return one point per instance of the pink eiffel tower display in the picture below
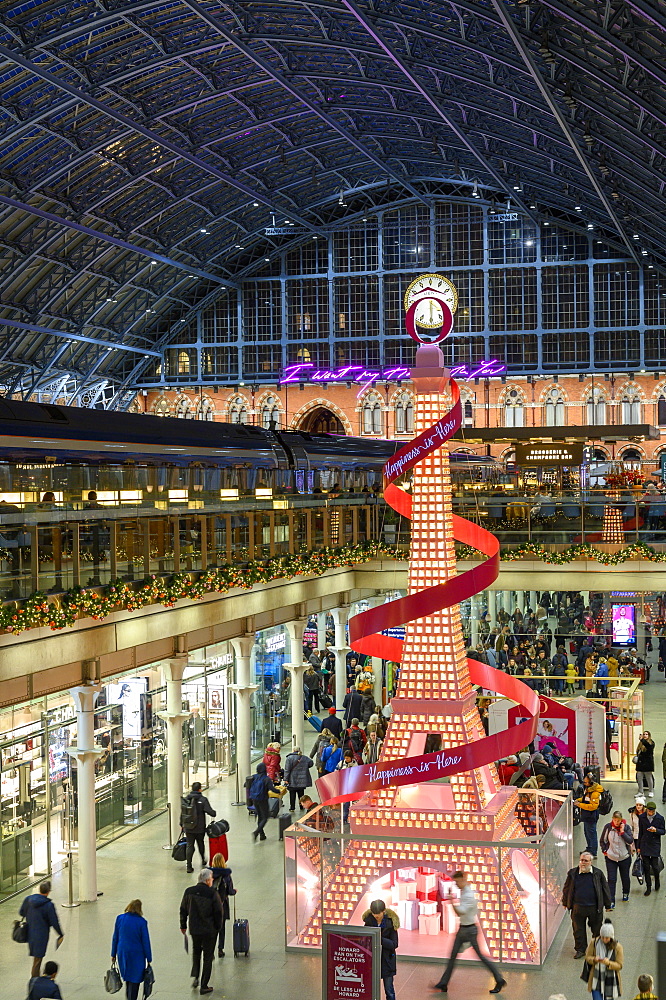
(434, 707)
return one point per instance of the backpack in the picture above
(220, 885)
(188, 813)
(605, 802)
(354, 741)
(258, 787)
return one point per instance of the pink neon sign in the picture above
(306, 372)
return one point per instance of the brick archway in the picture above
(303, 419)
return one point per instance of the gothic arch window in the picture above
(270, 412)
(183, 363)
(554, 409)
(467, 409)
(237, 410)
(661, 410)
(161, 408)
(205, 410)
(404, 414)
(596, 407)
(184, 408)
(631, 406)
(514, 409)
(371, 414)
(631, 459)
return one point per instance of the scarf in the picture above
(605, 979)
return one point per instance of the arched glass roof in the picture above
(147, 146)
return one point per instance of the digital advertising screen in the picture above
(624, 624)
(127, 694)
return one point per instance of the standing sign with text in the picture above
(352, 962)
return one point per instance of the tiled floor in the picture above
(137, 866)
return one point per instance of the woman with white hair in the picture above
(604, 958)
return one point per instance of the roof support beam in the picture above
(365, 22)
(300, 96)
(23, 206)
(33, 328)
(528, 59)
(159, 140)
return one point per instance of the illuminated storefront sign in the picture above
(307, 372)
(550, 454)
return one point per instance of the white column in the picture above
(475, 611)
(533, 600)
(495, 604)
(506, 601)
(86, 753)
(321, 630)
(340, 649)
(243, 691)
(174, 716)
(296, 668)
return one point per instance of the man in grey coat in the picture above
(297, 775)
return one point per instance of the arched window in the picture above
(467, 409)
(404, 414)
(661, 411)
(183, 363)
(371, 413)
(631, 406)
(596, 408)
(237, 410)
(184, 408)
(161, 408)
(205, 409)
(514, 409)
(554, 409)
(270, 412)
(631, 459)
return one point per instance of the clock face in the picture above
(426, 290)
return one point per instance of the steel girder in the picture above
(133, 126)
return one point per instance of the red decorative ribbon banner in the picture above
(365, 637)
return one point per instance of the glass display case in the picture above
(331, 877)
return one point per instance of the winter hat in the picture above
(332, 710)
(607, 930)
(650, 805)
(640, 800)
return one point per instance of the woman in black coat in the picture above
(388, 923)
(223, 884)
(644, 761)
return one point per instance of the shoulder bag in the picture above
(148, 981)
(112, 981)
(20, 932)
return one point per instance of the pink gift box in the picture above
(407, 874)
(426, 883)
(406, 890)
(429, 924)
(408, 912)
(428, 908)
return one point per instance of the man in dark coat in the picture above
(196, 834)
(585, 894)
(201, 907)
(388, 923)
(297, 775)
(333, 724)
(40, 915)
(353, 706)
(651, 829)
(45, 987)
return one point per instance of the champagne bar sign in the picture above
(307, 372)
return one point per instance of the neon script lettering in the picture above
(306, 372)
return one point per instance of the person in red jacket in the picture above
(507, 768)
(272, 761)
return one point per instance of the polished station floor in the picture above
(136, 866)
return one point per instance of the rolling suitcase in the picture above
(251, 811)
(314, 721)
(241, 933)
(284, 821)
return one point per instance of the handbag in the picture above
(179, 852)
(112, 981)
(585, 973)
(20, 932)
(634, 759)
(637, 870)
(217, 828)
(658, 864)
(148, 981)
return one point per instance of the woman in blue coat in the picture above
(131, 946)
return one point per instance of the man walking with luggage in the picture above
(201, 908)
(40, 915)
(467, 935)
(194, 809)
(585, 894)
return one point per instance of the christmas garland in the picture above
(63, 610)
(636, 550)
